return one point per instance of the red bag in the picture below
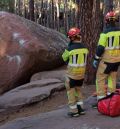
(110, 105)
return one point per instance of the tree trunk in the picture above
(90, 28)
(17, 7)
(24, 9)
(108, 5)
(66, 26)
(78, 13)
(19, 11)
(11, 6)
(58, 14)
(48, 15)
(31, 9)
(52, 15)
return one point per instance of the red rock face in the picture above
(26, 48)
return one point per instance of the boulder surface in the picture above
(26, 48)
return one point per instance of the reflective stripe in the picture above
(77, 65)
(110, 42)
(74, 59)
(80, 103)
(112, 48)
(73, 107)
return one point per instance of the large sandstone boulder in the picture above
(26, 48)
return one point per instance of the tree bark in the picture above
(51, 14)
(66, 26)
(24, 9)
(90, 28)
(48, 15)
(78, 13)
(58, 14)
(19, 8)
(11, 6)
(31, 9)
(108, 5)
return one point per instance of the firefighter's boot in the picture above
(81, 111)
(73, 114)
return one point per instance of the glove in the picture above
(95, 63)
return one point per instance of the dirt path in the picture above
(57, 119)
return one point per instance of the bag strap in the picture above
(117, 92)
(108, 96)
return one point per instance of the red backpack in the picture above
(110, 105)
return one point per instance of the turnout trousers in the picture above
(107, 72)
(74, 94)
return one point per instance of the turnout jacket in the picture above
(108, 48)
(76, 57)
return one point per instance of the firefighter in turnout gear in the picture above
(75, 56)
(108, 56)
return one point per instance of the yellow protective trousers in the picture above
(102, 78)
(74, 96)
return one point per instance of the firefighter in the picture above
(75, 56)
(107, 57)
